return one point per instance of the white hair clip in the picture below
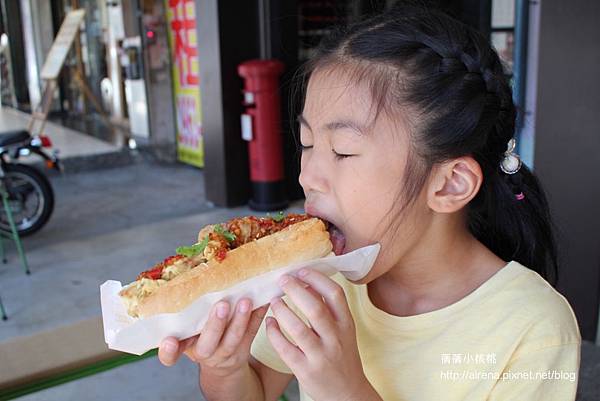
(511, 163)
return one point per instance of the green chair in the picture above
(2, 310)
(13, 234)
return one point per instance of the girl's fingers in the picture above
(217, 333)
(331, 291)
(169, 351)
(316, 294)
(300, 333)
(236, 329)
(213, 330)
(256, 319)
(311, 304)
(288, 352)
(187, 347)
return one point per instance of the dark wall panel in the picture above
(228, 35)
(567, 144)
(11, 13)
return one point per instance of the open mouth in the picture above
(337, 238)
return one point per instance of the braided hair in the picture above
(450, 78)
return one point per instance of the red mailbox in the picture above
(261, 127)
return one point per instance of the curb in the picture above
(120, 158)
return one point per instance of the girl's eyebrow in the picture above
(357, 128)
(303, 121)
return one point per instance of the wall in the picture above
(567, 145)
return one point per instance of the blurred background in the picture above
(126, 127)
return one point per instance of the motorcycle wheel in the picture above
(30, 197)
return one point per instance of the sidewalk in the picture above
(70, 142)
(108, 224)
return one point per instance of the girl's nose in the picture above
(313, 175)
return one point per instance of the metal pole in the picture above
(520, 59)
(264, 24)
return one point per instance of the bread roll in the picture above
(299, 242)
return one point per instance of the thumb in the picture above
(169, 351)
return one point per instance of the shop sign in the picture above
(181, 20)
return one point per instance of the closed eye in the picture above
(340, 156)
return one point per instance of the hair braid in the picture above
(452, 82)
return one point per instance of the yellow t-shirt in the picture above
(513, 338)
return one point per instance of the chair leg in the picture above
(22, 255)
(15, 233)
(2, 253)
(4, 316)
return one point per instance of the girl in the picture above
(406, 134)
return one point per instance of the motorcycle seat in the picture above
(13, 136)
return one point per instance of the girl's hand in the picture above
(325, 359)
(223, 347)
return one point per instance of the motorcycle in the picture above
(30, 195)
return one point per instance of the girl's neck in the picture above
(441, 270)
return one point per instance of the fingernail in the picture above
(284, 279)
(222, 311)
(302, 272)
(169, 347)
(244, 306)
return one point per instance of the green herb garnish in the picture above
(229, 236)
(278, 217)
(193, 250)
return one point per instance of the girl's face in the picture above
(352, 169)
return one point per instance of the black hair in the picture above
(452, 79)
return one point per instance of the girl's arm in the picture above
(254, 382)
(273, 382)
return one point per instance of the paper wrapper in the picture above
(136, 336)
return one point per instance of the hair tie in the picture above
(520, 196)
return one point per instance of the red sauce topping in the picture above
(220, 255)
(155, 272)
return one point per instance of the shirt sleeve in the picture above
(549, 373)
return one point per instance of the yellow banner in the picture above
(181, 20)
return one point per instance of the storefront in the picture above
(108, 53)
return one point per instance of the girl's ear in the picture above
(453, 184)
